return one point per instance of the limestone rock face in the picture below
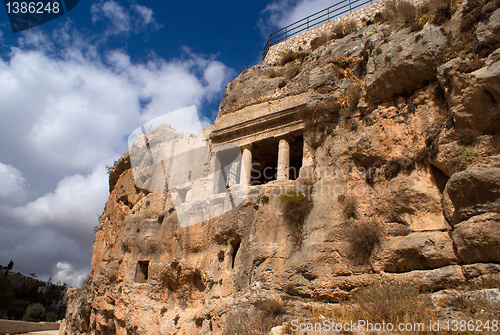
(477, 238)
(399, 180)
(415, 251)
(401, 201)
(486, 30)
(471, 95)
(472, 192)
(404, 63)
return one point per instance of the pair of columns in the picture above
(283, 171)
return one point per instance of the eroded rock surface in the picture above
(397, 191)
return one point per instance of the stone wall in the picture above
(302, 42)
(17, 327)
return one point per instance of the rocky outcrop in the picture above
(404, 63)
(399, 181)
(476, 239)
(472, 192)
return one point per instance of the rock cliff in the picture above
(400, 180)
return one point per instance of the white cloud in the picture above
(12, 182)
(65, 273)
(72, 208)
(145, 13)
(112, 12)
(64, 110)
(75, 112)
(123, 20)
(38, 250)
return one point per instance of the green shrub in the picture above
(51, 317)
(35, 313)
(296, 206)
(464, 156)
(6, 291)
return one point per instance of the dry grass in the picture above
(390, 302)
(250, 322)
(292, 70)
(398, 302)
(364, 237)
(343, 29)
(342, 62)
(290, 56)
(476, 11)
(401, 164)
(320, 40)
(273, 73)
(401, 12)
(349, 206)
(439, 11)
(353, 95)
(150, 213)
(474, 64)
(394, 302)
(405, 13)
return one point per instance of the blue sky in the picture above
(73, 89)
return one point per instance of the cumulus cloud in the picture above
(121, 20)
(12, 182)
(65, 273)
(66, 111)
(75, 112)
(72, 208)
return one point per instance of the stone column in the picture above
(246, 166)
(283, 160)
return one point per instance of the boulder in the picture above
(477, 239)
(403, 198)
(404, 64)
(486, 30)
(471, 96)
(471, 192)
(416, 251)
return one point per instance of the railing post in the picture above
(350, 8)
(328, 15)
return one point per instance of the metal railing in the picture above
(331, 13)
